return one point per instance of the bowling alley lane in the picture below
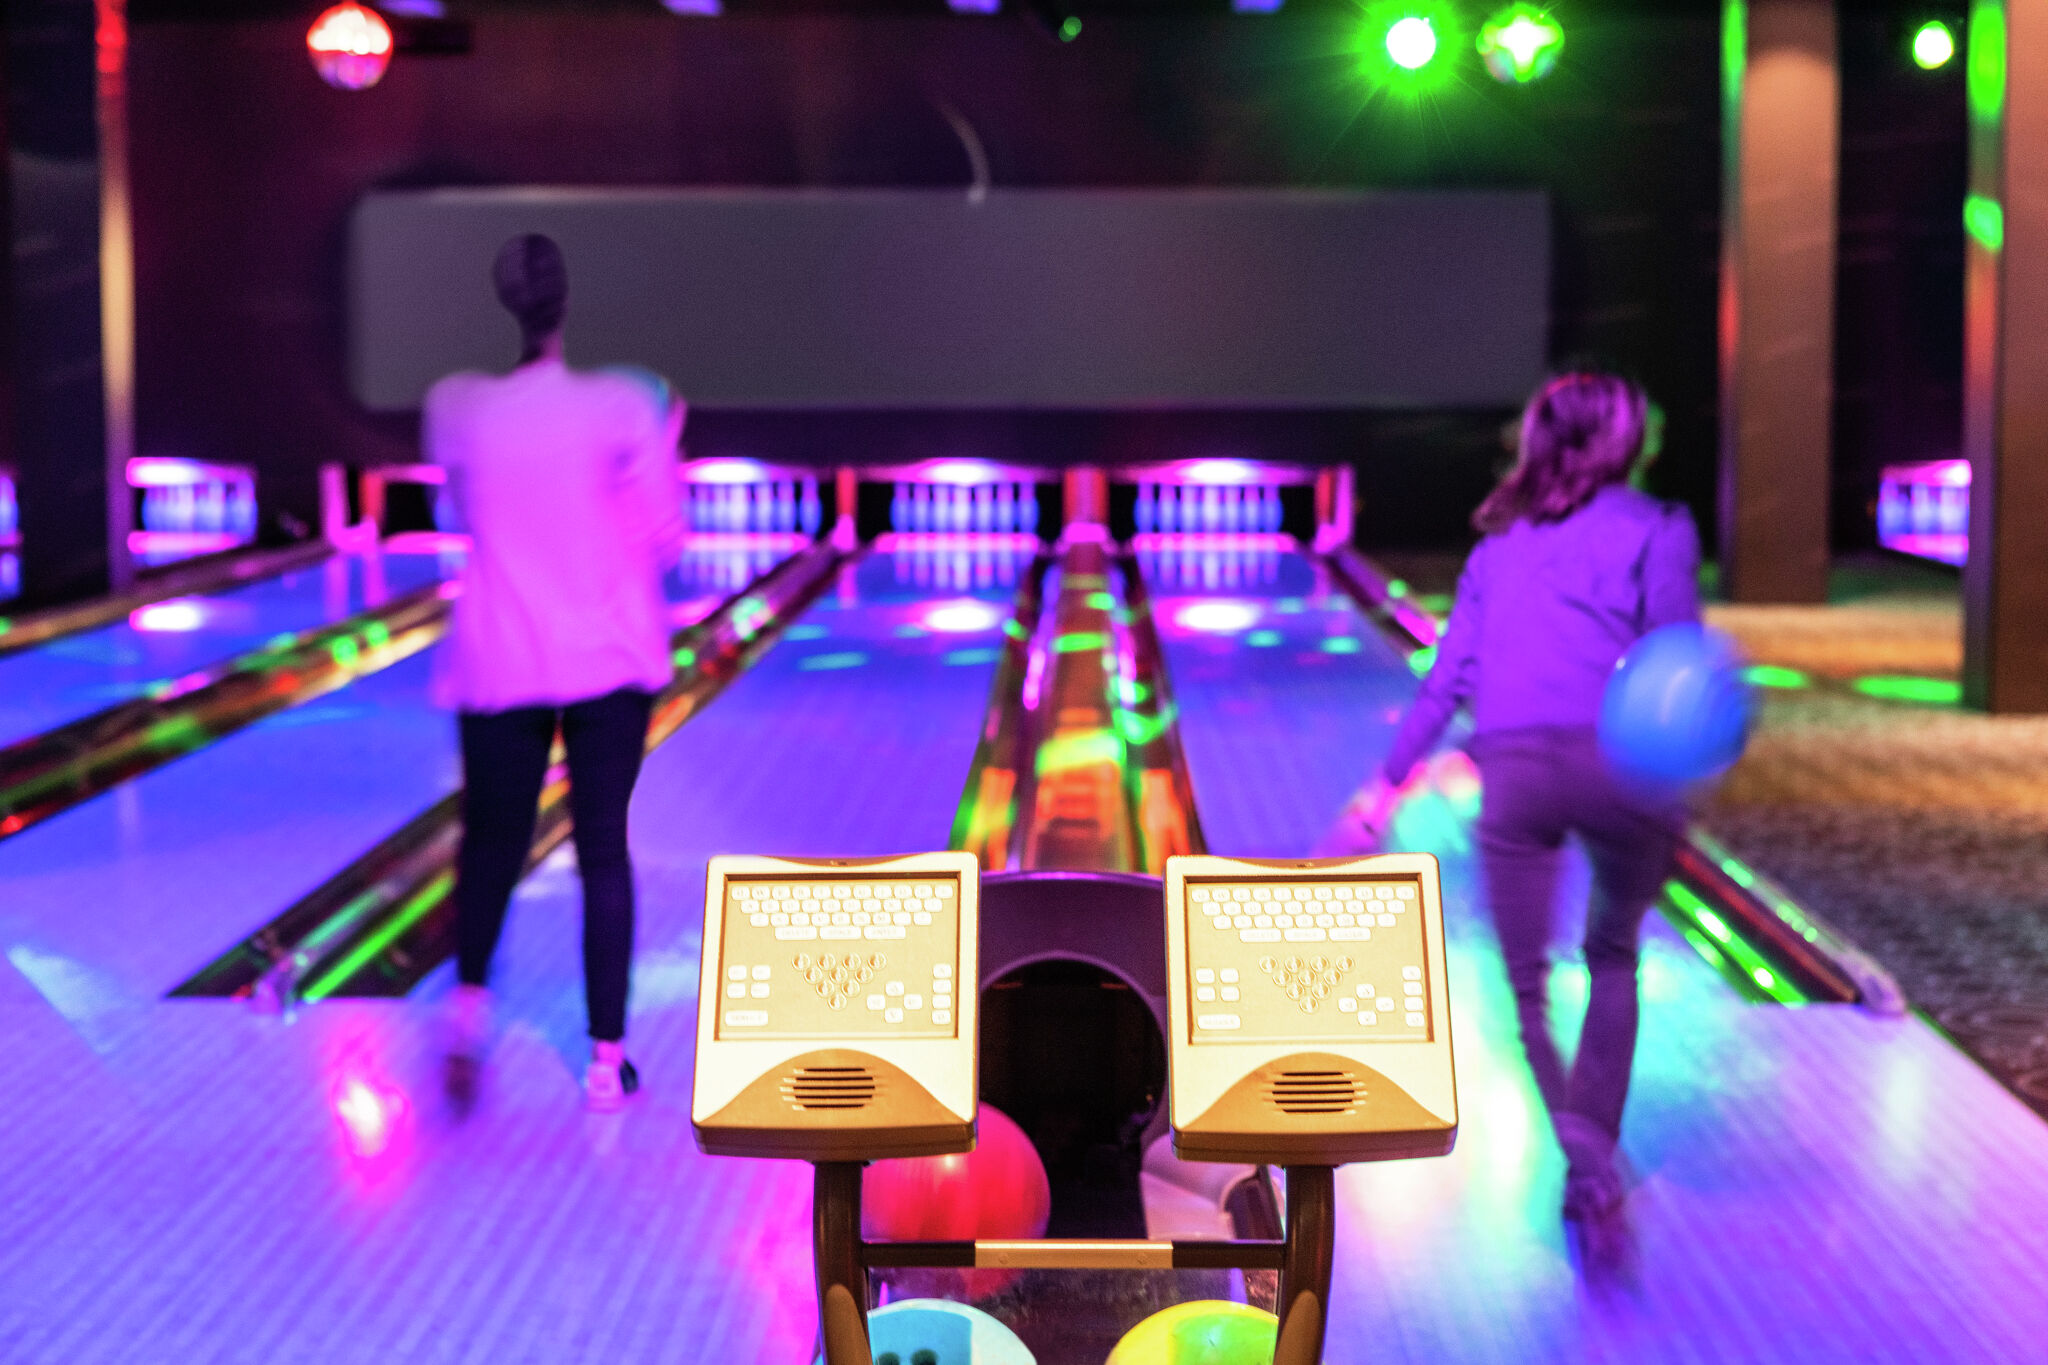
(138, 887)
(1760, 1135)
(197, 1181)
(75, 675)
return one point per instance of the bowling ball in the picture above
(1206, 1332)
(935, 1332)
(656, 387)
(997, 1190)
(1677, 709)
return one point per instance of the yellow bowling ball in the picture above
(1207, 1332)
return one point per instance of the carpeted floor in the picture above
(1920, 831)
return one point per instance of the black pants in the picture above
(504, 762)
(1542, 784)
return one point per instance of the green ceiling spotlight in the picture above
(1934, 45)
(1402, 44)
(1521, 44)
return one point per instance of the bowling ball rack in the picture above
(843, 1258)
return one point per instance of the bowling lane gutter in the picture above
(46, 774)
(386, 920)
(1768, 946)
(212, 574)
(987, 815)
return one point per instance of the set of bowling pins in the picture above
(957, 569)
(779, 505)
(962, 508)
(10, 510)
(1208, 507)
(211, 506)
(1922, 509)
(1209, 569)
(721, 571)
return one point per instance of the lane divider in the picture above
(387, 919)
(46, 774)
(215, 573)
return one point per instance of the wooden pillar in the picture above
(2005, 358)
(70, 294)
(1780, 141)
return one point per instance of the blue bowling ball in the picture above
(938, 1332)
(1677, 710)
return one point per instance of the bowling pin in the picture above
(1146, 512)
(1027, 508)
(812, 513)
(899, 509)
(1006, 508)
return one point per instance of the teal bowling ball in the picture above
(1677, 710)
(937, 1332)
(658, 389)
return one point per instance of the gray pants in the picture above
(1542, 784)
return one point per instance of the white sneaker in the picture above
(609, 1078)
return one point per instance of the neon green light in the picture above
(1014, 630)
(1064, 753)
(377, 634)
(1411, 42)
(409, 914)
(826, 662)
(344, 651)
(1397, 588)
(1770, 675)
(1925, 691)
(1521, 44)
(1734, 956)
(1101, 601)
(1138, 731)
(811, 632)
(5, 625)
(961, 657)
(1422, 660)
(1737, 873)
(1986, 83)
(1984, 220)
(1263, 639)
(1934, 46)
(1079, 642)
(1340, 644)
(685, 657)
(1734, 59)
(1070, 28)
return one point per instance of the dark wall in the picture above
(1899, 318)
(246, 166)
